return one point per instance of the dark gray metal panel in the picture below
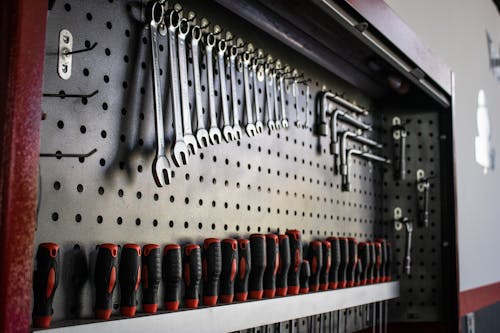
(421, 293)
(264, 184)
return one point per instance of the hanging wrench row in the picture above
(185, 35)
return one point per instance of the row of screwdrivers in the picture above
(231, 269)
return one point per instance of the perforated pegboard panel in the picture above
(263, 184)
(421, 295)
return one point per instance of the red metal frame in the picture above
(22, 27)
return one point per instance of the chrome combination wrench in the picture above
(250, 127)
(267, 90)
(179, 150)
(214, 131)
(161, 167)
(201, 132)
(259, 126)
(188, 137)
(227, 130)
(233, 53)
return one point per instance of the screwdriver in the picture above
(333, 279)
(45, 281)
(344, 261)
(373, 258)
(212, 267)
(364, 257)
(172, 276)
(383, 258)
(325, 267)
(273, 260)
(244, 267)
(378, 262)
(259, 262)
(284, 266)
(192, 275)
(105, 279)
(229, 250)
(352, 260)
(315, 264)
(358, 272)
(129, 277)
(151, 277)
(296, 260)
(305, 274)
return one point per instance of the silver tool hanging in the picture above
(250, 126)
(162, 173)
(179, 150)
(188, 137)
(233, 53)
(269, 101)
(227, 129)
(259, 126)
(214, 131)
(201, 132)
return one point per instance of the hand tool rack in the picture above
(267, 183)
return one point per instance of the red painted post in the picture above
(22, 27)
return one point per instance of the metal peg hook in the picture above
(62, 94)
(82, 50)
(59, 154)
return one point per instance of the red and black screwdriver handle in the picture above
(364, 258)
(353, 259)
(244, 268)
(378, 262)
(383, 262)
(326, 248)
(273, 258)
(192, 275)
(373, 258)
(229, 249)
(172, 276)
(212, 267)
(130, 277)
(151, 277)
(295, 240)
(333, 276)
(45, 281)
(358, 272)
(259, 262)
(305, 275)
(344, 261)
(283, 266)
(315, 264)
(105, 275)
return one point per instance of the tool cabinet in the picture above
(97, 149)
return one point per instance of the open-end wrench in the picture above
(227, 130)
(201, 132)
(188, 136)
(269, 102)
(250, 127)
(277, 121)
(161, 167)
(179, 150)
(233, 53)
(214, 132)
(259, 126)
(284, 120)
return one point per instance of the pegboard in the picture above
(421, 292)
(268, 183)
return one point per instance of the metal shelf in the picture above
(239, 316)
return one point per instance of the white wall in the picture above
(456, 31)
